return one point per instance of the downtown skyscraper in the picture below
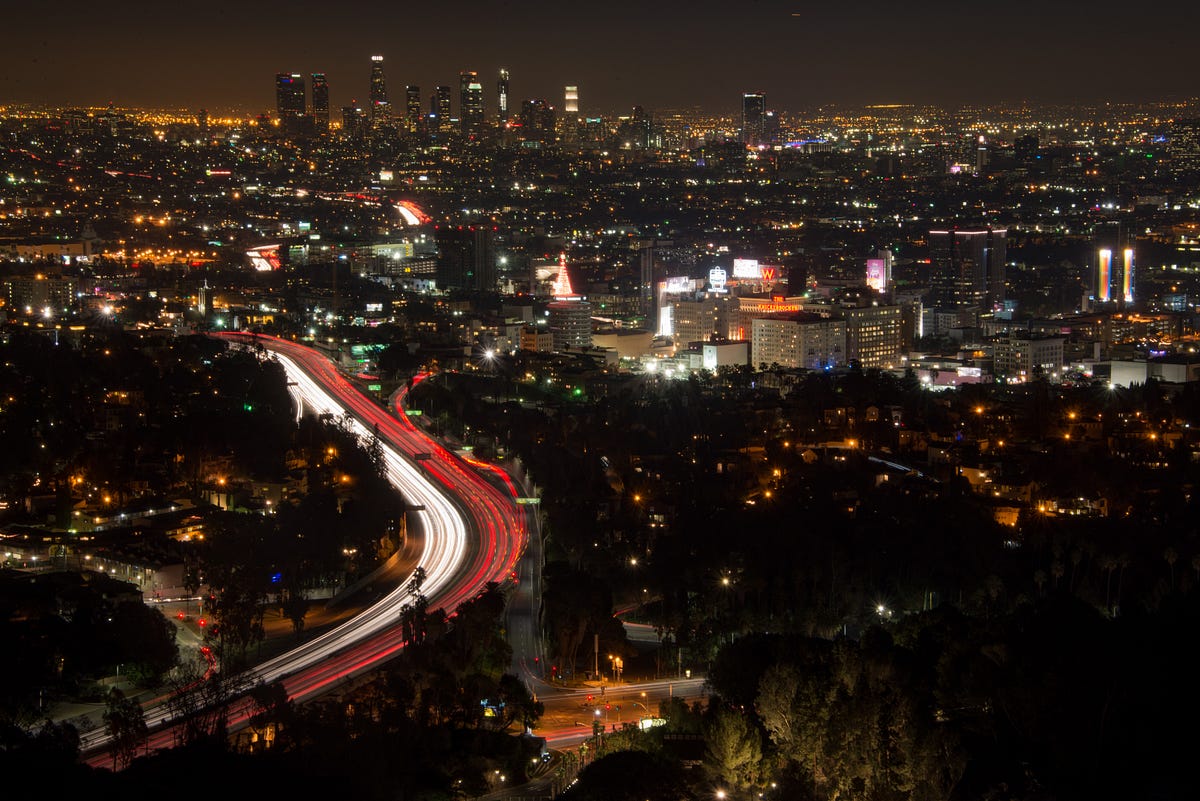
(289, 95)
(320, 99)
(439, 109)
(379, 95)
(470, 102)
(412, 107)
(502, 96)
(754, 111)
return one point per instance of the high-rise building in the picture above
(968, 267)
(879, 271)
(354, 120)
(502, 96)
(379, 95)
(320, 99)
(289, 95)
(470, 102)
(570, 118)
(537, 121)
(466, 258)
(754, 110)
(412, 107)
(1024, 356)
(1184, 144)
(797, 340)
(439, 109)
(1127, 275)
(702, 320)
(1104, 275)
(1114, 280)
(1114, 263)
(873, 335)
(571, 324)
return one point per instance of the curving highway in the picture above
(473, 534)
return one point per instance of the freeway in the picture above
(473, 534)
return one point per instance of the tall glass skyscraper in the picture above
(439, 106)
(502, 96)
(470, 102)
(412, 106)
(379, 95)
(289, 95)
(754, 109)
(320, 99)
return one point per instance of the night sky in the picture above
(223, 55)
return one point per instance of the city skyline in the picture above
(620, 57)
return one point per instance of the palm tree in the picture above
(1172, 556)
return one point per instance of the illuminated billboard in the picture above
(265, 258)
(677, 285)
(666, 321)
(1127, 276)
(716, 279)
(746, 268)
(877, 274)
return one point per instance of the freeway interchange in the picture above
(472, 534)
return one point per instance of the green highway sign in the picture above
(530, 501)
(414, 412)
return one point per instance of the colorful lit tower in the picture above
(1104, 275)
(1127, 276)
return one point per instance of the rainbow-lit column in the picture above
(1127, 276)
(1104, 277)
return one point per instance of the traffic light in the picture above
(590, 698)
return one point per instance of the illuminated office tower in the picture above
(570, 120)
(1127, 276)
(320, 99)
(289, 95)
(354, 120)
(502, 96)
(439, 108)
(412, 106)
(1104, 276)
(968, 267)
(379, 95)
(754, 109)
(470, 102)
(537, 121)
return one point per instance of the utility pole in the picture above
(596, 655)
